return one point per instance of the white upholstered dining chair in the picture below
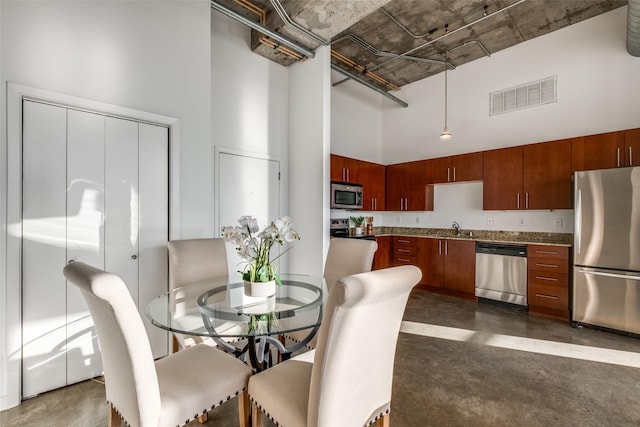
(345, 257)
(349, 381)
(139, 391)
(193, 260)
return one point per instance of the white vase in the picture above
(358, 231)
(260, 289)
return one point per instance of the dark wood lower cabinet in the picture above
(382, 258)
(448, 265)
(548, 280)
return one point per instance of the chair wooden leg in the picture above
(243, 409)
(383, 421)
(257, 417)
(113, 417)
(203, 418)
(176, 344)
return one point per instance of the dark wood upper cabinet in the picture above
(547, 175)
(407, 187)
(459, 168)
(370, 175)
(602, 151)
(632, 147)
(502, 175)
(534, 176)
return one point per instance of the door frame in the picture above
(11, 260)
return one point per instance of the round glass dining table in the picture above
(241, 324)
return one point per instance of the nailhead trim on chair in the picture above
(372, 422)
(382, 414)
(204, 411)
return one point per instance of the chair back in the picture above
(193, 260)
(353, 365)
(131, 380)
(347, 257)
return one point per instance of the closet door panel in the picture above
(85, 234)
(43, 247)
(154, 224)
(121, 201)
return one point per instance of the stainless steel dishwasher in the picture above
(501, 272)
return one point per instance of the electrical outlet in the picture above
(417, 220)
(558, 222)
(398, 220)
(522, 221)
(491, 221)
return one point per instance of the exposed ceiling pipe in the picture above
(447, 33)
(478, 42)
(264, 30)
(369, 85)
(633, 27)
(282, 13)
(370, 48)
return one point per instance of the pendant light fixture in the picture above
(445, 135)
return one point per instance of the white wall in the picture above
(249, 93)
(149, 56)
(598, 91)
(356, 120)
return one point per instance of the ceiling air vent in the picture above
(524, 96)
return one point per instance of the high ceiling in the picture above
(390, 43)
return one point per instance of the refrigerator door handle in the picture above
(578, 224)
(617, 276)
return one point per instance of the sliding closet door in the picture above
(44, 236)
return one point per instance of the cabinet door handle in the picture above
(551, 279)
(404, 260)
(403, 241)
(404, 250)
(547, 265)
(517, 200)
(448, 174)
(454, 174)
(630, 157)
(618, 158)
(546, 296)
(446, 247)
(526, 200)
(547, 252)
(439, 247)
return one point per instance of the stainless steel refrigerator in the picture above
(606, 254)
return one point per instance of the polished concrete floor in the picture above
(458, 363)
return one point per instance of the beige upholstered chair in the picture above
(349, 381)
(344, 258)
(193, 260)
(141, 392)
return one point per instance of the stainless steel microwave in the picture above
(346, 195)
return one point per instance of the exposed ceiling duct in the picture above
(633, 28)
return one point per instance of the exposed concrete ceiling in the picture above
(390, 43)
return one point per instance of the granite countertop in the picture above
(534, 238)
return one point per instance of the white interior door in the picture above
(44, 236)
(95, 189)
(248, 186)
(153, 229)
(85, 235)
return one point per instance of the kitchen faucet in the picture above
(457, 227)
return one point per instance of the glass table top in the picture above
(220, 308)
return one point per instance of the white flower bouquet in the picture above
(254, 246)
